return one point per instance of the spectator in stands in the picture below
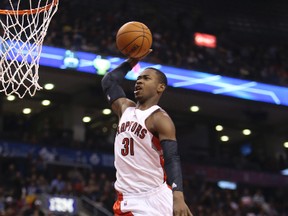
(11, 208)
(58, 184)
(77, 180)
(92, 188)
(34, 209)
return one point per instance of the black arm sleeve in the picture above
(172, 164)
(112, 80)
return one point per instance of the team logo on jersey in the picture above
(133, 127)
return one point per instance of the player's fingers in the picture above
(146, 54)
(186, 213)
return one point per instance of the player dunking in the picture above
(148, 171)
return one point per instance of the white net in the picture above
(23, 27)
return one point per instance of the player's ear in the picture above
(161, 87)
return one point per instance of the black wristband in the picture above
(172, 164)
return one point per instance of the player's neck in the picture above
(145, 105)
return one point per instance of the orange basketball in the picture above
(134, 39)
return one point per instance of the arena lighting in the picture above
(205, 40)
(227, 185)
(49, 86)
(219, 128)
(106, 111)
(285, 144)
(284, 172)
(46, 102)
(194, 108)
(224, 138)
(86, 119)
(246, 132)
(177, 77)
(26, 111)
(11, 98)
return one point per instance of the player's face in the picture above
(147, 85)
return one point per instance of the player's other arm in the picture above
(164, 127)
(111, 85)
(166, 132)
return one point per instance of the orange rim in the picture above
(31, 11)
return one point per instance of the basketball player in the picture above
(148, 171)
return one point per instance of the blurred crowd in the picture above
(40, 130)
(23, 185)
(27, 180)
(173, 41)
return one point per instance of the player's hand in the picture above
(179, 206)
(134, 61)
(146, 54)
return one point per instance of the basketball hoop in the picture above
(24, 25)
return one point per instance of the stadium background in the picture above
(53, 140)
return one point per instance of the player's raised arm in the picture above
(134, 40)
(111, 85)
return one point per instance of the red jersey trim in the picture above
(156, 143)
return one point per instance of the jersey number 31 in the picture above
(128, 146)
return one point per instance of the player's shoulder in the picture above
(161, 123)
(161, 115)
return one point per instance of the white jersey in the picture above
(138, 155)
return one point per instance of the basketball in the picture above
(134, 39)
